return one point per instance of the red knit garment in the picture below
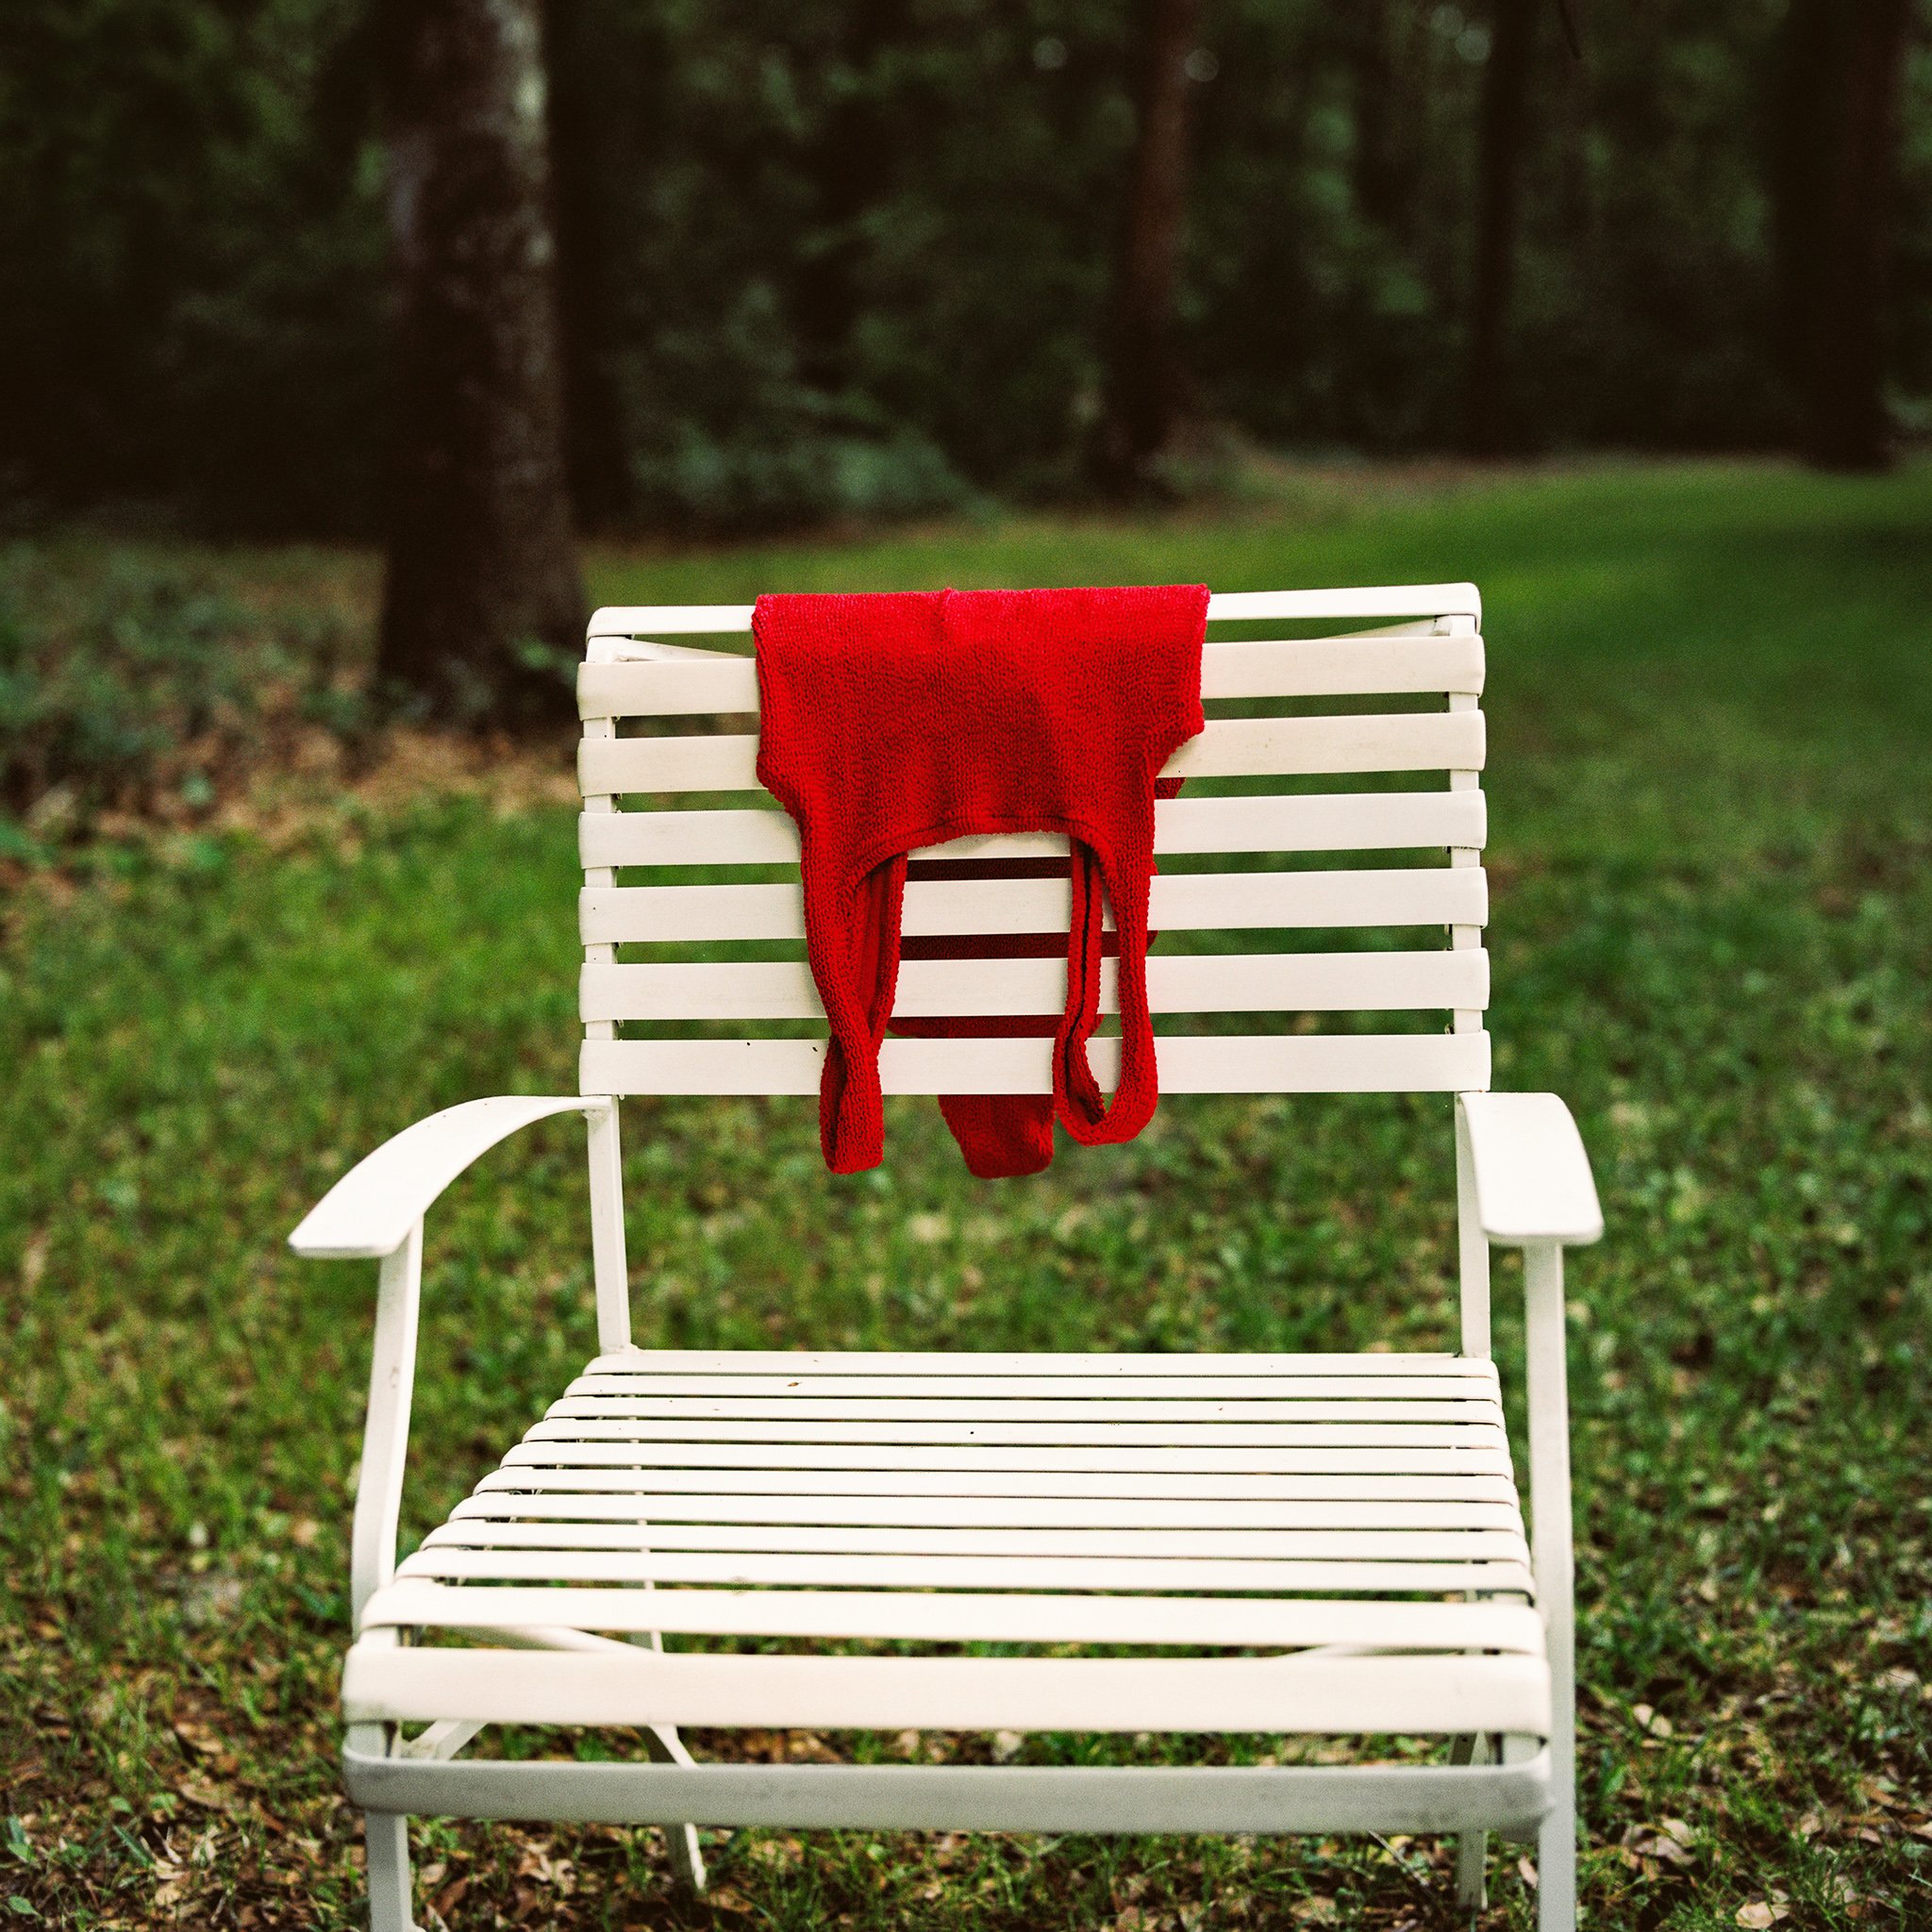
(893, 721)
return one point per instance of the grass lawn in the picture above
(1711, 775)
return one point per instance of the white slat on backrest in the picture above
(1214, 983)
(1342, 821)
(1190, 1063)
(1224, 607)
(1431, 648)
(720, 684)
(1229, 748)
(1247, 901)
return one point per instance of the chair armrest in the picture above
(1532, 1177)
(370, 1211)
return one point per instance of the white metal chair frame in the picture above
(1489, 1671)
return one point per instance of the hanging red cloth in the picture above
(895, 722)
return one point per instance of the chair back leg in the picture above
(687, 1862)
(1472, 1847)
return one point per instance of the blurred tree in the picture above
(865, 258)
(1834, 175)
(1142, 401)
(1487, 428)
(588, 108)
(482, 575)
(849, 163)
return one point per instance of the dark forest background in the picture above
(817, 258)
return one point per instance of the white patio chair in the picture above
(1340, 1534)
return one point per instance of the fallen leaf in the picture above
(1760, 1913)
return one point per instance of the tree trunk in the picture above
(1376, 113)
(1142, 401)
(1838, 138)
(481, 565)
(1486, 427)
(591, 109)
(850, 166)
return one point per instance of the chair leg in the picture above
(687, 1860)
(1556, 1857)
(386, 1835)
(1472, 1847)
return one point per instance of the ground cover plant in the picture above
(1710, 712)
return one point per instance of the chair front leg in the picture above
(387, 1836)
(1554, 1565)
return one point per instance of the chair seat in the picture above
(1340, 1534)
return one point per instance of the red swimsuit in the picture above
(893, 721)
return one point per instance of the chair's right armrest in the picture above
(1532, 1177)
(370, 1211)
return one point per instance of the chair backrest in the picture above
(1342, 838)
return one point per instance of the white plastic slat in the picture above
(783, 1405)
(647, 1490)
(1229, 747)
(1222, 983)
(601, 1379)
(1484, 1455)
(1312, 821)
(1043, 1435)
(1156, 1546)
(951, 1365)
(1312, 1063)
(1224, 607)
(1179, 902)
(976, 1618)
(842, 1570)
(982, 1513)
(1430, 1695)
(1249, 668)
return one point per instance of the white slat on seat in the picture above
(1180, 902)
(839, 1571)
(1327, 1695)
(1372, 741)
(1249, 668)
(1433, 1406)
(1090, 1370)
(978, 1512)
(1407, 1435)
(1311, 1063)
(1224, 983)
(988, 1390)
(1311, 821)
(1141, 1544)
(1488, 1455)
(981, 1617)
(650, 1489)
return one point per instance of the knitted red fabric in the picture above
(903, 721)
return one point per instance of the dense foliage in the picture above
(821, 256)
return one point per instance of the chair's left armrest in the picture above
(1532, 1177)
(371, 1210)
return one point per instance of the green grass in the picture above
(1711, 774)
